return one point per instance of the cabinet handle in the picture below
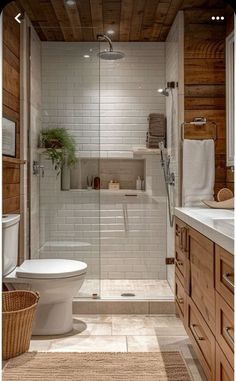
(181, 237)
(179, 300)
(226, 331)
(177, 231)
(195, 333)
(178, 263)
(186, 240)
(227, 280)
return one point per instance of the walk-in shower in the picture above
(121, 234)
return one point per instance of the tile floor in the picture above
(141, 288)
(124, 333)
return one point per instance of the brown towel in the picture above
(153, 141)
(157, 124)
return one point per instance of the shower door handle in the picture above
(125, 214)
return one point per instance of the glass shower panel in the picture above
(133, 221)
(69, 219)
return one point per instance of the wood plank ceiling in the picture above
(131, 20)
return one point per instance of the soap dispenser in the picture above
(138, 183)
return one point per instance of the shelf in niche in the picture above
(145, 151)
(129, 192)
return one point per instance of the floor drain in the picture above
(127, 294)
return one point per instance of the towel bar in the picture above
(200, 121)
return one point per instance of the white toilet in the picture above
(56, 280)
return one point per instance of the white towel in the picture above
(198, 171)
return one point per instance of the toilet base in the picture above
(53, 319)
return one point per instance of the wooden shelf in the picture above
(12, 160)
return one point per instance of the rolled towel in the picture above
(198, 171)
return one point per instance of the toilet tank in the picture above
(10, 237)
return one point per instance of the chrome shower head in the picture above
(109, 55)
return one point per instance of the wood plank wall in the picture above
(204, 66)
(11, 104)
(229, 29)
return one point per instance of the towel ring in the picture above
(200, 121)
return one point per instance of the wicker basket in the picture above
(18, 313)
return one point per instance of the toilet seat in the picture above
(50, 269)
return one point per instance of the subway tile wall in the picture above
(119, 237)
(109, 118)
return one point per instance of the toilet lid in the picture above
(50, 268)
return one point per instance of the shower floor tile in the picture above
(114, 288)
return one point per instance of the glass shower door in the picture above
(67, 226)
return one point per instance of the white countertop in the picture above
(215, 224)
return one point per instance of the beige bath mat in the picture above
(66, 366)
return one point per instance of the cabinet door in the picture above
(224, 372)
(225, 275)
(202, 339)
(180, 235)
(180, 298)
(225, 328)
(202, 292)
(181, 252)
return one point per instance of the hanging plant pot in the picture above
(53, 143)
(60, 148)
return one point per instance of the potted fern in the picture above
(60, 148)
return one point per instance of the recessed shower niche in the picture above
(123, 172)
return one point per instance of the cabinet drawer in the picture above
(224, 372)
(225, 275)
(225, 327)
(180, 298)
(202, 291)
(202, 339)
(181, 242)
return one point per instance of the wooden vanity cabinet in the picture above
(202, 339)
(225, 327)
(224, 372)
(204, 292)
(224, 275)
(181, 254)
(180, 297)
